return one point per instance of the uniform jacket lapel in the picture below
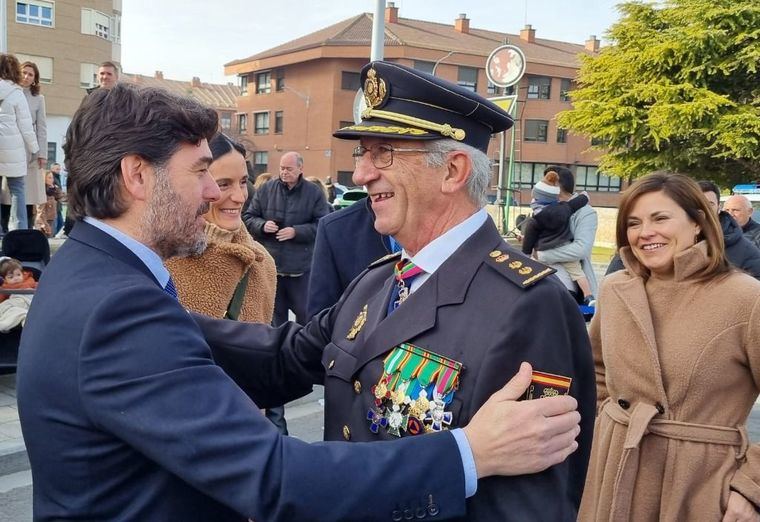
(447, 286)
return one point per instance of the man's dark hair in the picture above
(566, 178)
(114, 123)
(709, 186)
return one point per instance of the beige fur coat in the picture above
(678, 371)
(206, 283)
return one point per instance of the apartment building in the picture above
(295, 95)
(67, 40)
(221, 97)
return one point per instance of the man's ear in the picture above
(458, 170)
(136, 173)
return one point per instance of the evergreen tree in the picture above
(677, 89)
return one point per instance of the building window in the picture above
(278, 122)
(242, 123)
(52, 153)
(492, 89)
(468, 78)
(35, 12)
(536, 130)
(261, 123)
(424, 66)
(564, 90)
(561, 135)
(264, 83)
(260, 162)
(243, 84)
(97, 24)
(588, 177)
(225, 120)
(88, 75)
(350, 81)
(539, 87)
(44, 64)
(279, 80)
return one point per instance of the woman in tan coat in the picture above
(235, 276)
(676, 340)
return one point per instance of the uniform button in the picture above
(420, 513)
(432, 509)
(408, 514)
(396, 515)
(330, 366)
(357, 387)
(346, 433)
(624, 404)
(660, 408)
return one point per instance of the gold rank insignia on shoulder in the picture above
(544, 384)
(385, 259)
(520, 269)
(358, 324)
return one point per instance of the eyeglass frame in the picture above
(360, 150)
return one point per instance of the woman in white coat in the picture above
(17, 137)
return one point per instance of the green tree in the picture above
(677, 89)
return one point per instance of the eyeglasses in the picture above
(381, 155)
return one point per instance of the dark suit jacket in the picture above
(346, 244)
(126, 417)
(472, 309)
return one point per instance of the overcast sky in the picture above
(186, 38)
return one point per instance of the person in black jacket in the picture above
(741, 253)
(346, 244)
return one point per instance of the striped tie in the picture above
(170, 288)
(403, 274)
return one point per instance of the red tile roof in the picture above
(218, 96)
(357, 31)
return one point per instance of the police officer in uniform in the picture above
(421, 339)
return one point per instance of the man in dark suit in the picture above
(419, 341)
(124, 413)
(346, 244)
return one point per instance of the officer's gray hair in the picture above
(477, 184)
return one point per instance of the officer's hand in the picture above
(284, 234)
(270, 227)
(516, 438)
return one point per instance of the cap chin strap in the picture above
(442, 129)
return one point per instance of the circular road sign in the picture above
(505, 65)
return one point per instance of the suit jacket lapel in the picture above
(448, 285)
(94, 237)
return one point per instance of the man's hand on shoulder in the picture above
(508, 437)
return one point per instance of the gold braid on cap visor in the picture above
(443, 129)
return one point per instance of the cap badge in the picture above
(374, 89)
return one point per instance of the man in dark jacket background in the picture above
(741, 210)
(283, 217)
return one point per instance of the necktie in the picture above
(170, 288)
(403, 274)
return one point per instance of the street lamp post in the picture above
(440, 60)
(307, 99)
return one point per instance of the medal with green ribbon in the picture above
(412, 394)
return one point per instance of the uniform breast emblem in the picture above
(544, 384)
(359, 322)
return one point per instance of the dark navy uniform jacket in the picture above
(477, 309)
(346, 244)
(126, 417)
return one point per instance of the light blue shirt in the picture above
(146, 255)
(430, 258)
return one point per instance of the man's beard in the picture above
(167, 226)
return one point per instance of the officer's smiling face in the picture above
(406, 196)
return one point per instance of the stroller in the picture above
(32, 249)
